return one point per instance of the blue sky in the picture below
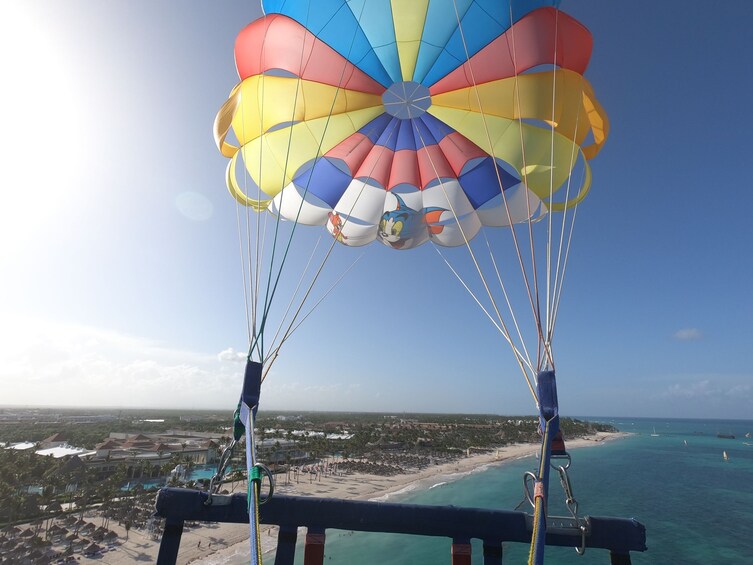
(121, 283)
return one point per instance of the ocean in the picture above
(669, 474)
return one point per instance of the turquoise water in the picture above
(697, 507)
(199, 472)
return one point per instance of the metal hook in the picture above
(526, 490)
(565, 456)
(582, 549)
(258, 470)
(216, 479)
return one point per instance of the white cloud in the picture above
(720, 387)
(688, 334)
(692, 390)
(740, 391)
(47, 363)
(232, 356)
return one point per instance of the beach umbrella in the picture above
(92, 549)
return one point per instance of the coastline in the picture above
(218, 544)
(359, 486)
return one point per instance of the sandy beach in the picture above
(212, 544)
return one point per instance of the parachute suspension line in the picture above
(295, 294)
(535, 304)
(245, 276)
(564, 266)
(502, 326)
(503, 288)
(513, 232)
(547, 344)
(522, 359)
(292, 325)
(524, 271)
(270, 294)
(271, 288)
(334, 285)
(562, 258)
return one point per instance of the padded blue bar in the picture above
(252, 385)
(619, 535)
(547, 388)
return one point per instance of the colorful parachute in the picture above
(409, 121)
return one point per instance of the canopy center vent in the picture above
(406, 100)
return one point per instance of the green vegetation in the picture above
(88, 427)
(381, 444)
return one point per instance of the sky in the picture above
(120, 282)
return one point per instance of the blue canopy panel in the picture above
(483, 21)
(438, 129)
(326, 179)
(375, 18)
(335, 23)
(374, 129)
(363, 31)
(481, 181)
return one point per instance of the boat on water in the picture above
(725, 456)
(654, 434)
(725, 436)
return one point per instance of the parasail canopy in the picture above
(405, 122)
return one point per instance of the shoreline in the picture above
(217, 544)
(359, 486)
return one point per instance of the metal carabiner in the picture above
(227, 454)
(526, 489)
(582, 549)
(572, 504)
(565, 456)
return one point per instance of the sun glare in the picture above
(42, 109)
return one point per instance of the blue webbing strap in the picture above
(549, 423)
(244, 421)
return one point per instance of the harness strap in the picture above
(549, 428)
(244, 418)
